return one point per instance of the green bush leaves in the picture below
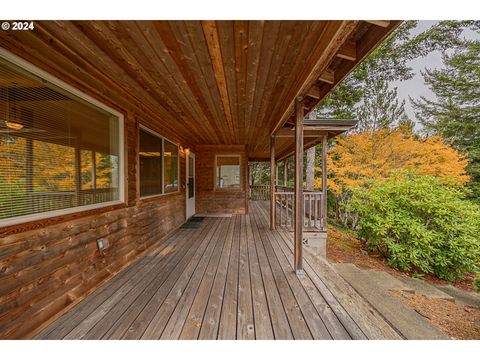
(418, 223)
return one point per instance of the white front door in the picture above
(190, 185)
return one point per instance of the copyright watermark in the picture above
(17, 25)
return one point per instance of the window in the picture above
(60, 151)
(150, 164)
(158, 164)
(227, 171)
(170, 156)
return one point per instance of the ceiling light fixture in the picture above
(13, 125)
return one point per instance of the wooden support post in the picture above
(324, 183)
(272, 182)
(285, 172)
(298, 229)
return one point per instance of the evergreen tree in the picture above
(455, 113)
(381, 108)
(387, 63)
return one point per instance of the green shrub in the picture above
(418, 223)
(476, 283)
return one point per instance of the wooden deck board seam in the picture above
(162, 267)
(287, 296)
(215, 256)
(149, 332)
(124, 276)
(203, 236)
(81, 330)
(267, 271)
(229, 239)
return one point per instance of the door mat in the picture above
(191, 225)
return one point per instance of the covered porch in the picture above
(184, 106)
(231, 278)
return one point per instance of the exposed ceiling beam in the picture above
(327, 76)
(313, 92)
(337, 33)
(287, 133)
(381, 23)
(348, 51)
(307, 144)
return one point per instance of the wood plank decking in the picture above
(230, 279)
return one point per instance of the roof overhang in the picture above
(203, 82)
(313, 132)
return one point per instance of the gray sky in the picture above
(416, 87)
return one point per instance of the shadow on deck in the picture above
(232, 278)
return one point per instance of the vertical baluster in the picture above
(304, 208)
(292, 212)
(310, 210)
(286, 210)
(320, 211)
(281, 210)
(319, 202)
(319, 207)
(292, 204)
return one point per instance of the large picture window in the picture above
(158, 164)
(227, 174)
(58, 151)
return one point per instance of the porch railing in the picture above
(259, 192)
(314, 216)
(313, 219)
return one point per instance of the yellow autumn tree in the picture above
(358, 158)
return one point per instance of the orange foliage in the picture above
(358, 158)
(53, 166)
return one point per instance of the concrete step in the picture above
(402, 317)
(387, 281)
(461, 297)
(421, 287)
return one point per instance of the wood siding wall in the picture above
(45, 272)
(210, 200)
(48, 266)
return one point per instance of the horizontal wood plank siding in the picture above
(48, 266)
(211, 200)
(44, 272)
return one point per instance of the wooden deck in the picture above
(232, 278)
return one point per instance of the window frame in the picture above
(163, 138)
(216, 187)
(49, 78)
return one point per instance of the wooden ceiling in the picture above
(204, 82)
